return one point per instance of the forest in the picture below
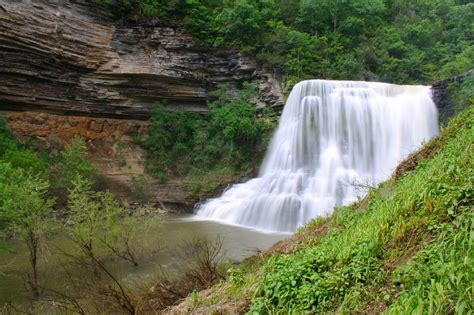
(399, 41)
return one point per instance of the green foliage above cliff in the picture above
(389, 40)
(230, 135)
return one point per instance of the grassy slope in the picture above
(407, 246)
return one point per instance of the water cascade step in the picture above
(335, 139)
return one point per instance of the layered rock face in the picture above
(67, 57)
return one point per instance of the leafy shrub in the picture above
(230, 134)
(72, 162)
(26, 159)
(139, 184)
(91, 214)
(19, 156)
(24, 210)
(170, 141)
(236, 276)
(236, 128)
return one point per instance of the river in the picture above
(159, 242)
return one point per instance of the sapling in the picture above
(92, 215)
(25, 208)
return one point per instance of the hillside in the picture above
(406, 247)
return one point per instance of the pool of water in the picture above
(159, 242)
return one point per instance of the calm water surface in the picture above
(159, 243)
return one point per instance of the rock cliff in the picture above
(442, 98)
(68, 57)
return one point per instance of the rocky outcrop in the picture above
(52, 132)
(111, 149)
(67, 57)
(441, 96)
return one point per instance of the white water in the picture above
(333, 138)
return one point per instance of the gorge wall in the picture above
(67, 69)
(68, 57)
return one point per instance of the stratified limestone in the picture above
(68, 57)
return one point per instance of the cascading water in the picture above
(333, 138)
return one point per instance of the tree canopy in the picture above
(397, 41)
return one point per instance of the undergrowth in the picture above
(361, 248)
(228, 140)
(405, 248)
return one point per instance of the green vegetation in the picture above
(19, 156)
(24, 211)
(461, 94)
(95, 233)
(229, 137)
(202, 182)
(386, 40)
(23, 183)
(91, 214)
(72, 161)
(28, 184)
(139, 184)
(59, 169)
(405, 248)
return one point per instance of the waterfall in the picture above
(334, 139)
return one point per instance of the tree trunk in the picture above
(32, 241)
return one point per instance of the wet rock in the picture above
(143, 210)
